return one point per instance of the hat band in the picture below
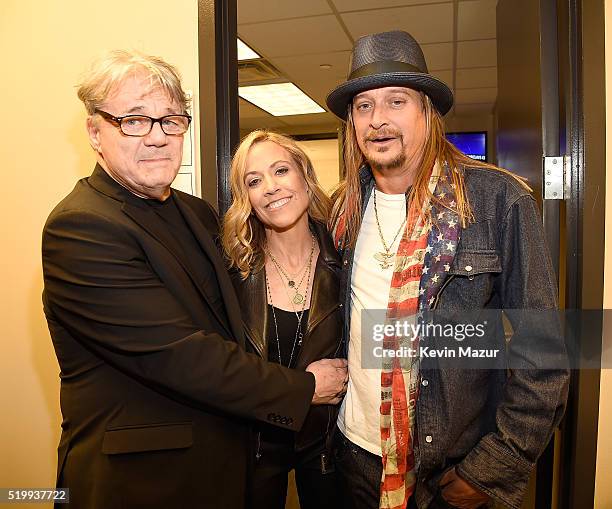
(383, 67)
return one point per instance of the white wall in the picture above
(46, 45)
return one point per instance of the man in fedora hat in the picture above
(422, 227)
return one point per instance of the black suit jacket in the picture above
(155, 402)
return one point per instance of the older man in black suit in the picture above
(156, 389)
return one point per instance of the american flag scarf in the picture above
(424, 256)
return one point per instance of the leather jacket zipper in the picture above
(338, 347)
(258, 448)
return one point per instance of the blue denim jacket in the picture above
(491, 424)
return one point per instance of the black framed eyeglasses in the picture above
(141, 125)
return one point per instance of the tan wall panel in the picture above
(603, 479)
(46, 45)
(325, 157)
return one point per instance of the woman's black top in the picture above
(287, 323)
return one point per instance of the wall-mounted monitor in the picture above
(472, 144)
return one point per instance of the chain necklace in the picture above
(298, 298)
(299, 335)
(384, 257)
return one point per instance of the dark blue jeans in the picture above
(359, 473)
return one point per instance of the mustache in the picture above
(384, 133)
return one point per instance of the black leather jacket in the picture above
(323, 337)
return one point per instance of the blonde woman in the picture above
(286, 274)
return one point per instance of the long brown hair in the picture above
(347, 196)
(243, 235)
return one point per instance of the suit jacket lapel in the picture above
(151, 223)
(225, 285)
(146, 218)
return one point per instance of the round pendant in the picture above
(298, 298)
(291, 283)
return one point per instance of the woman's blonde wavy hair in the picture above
(243, 235)
(347, 195)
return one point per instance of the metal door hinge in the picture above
(555, 168)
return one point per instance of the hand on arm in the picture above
(331, 377)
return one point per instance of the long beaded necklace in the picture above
(299, 336)
(385, 257)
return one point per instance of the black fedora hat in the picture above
(385, 60)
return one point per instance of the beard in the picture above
(397, 162)
(377, 160)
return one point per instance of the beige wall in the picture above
(603, 480)
(325, 157)
(45, 46)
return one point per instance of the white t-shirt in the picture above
(359, 418)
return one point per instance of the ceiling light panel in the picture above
(244, 52)
(280, 99)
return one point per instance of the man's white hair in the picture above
(116, 66)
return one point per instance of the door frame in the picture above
(584, 76)
(218, 93)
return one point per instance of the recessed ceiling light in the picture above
(245, 53)
(280, 99)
